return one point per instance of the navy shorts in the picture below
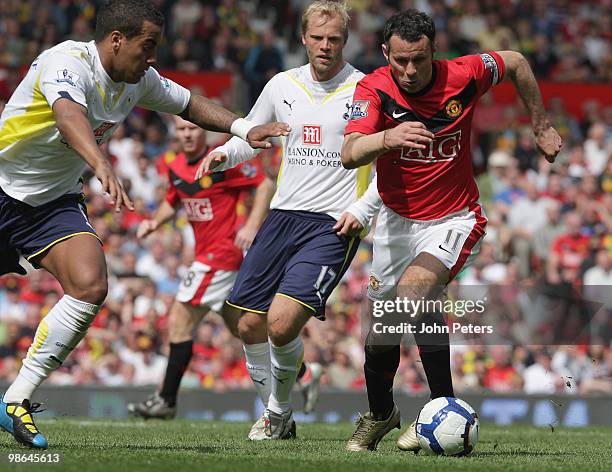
(296, 254)
(32, 230)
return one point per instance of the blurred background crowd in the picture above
(549, 225)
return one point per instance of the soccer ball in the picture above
(447, 426)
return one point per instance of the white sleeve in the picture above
(238, 150)
(163, 95)
(64, 76)
(368, 205)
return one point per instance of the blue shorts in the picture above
(30, 230)
(296, 254)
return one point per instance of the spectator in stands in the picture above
(549, 229)
(263, 63)
(524, 218)
(566, 254)
(597, 149)
(501, 377)
(596, 376)
(184, 12)
(496, 37)
(370, 57)
(540, 377)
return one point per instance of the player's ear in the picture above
(303, 39)
(115, 40)
(385, 51)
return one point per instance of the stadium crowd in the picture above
(549, 226)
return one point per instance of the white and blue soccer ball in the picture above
(447, 426)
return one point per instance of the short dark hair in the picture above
(126, 16)
(410, 25)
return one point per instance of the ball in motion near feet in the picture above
(447, 426)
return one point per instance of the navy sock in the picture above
(380, 368)
(435, 356)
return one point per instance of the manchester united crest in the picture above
(374, 283)
(453, 108)
(206, 181)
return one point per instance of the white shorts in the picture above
(454, 240)
(205, 286)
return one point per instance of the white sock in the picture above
(57, 335)
(286, 361)
(258, 364)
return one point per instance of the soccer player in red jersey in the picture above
(210, 204)
(415, 116)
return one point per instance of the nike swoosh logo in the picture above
(445, 250)
(395, 114)
(176, 181)
(261, 382)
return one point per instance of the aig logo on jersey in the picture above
(311, 135)
(198, 209)
(443, 148)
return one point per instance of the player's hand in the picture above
(112, 186)
(410, 134)
(348, 225)
(245, 237)
(259, 134)
(210, 162)
(145, 228)
(549, 143)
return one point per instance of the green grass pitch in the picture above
(136, 445)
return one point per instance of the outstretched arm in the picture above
(208, 115)
(236, 151)
(519, 72)
(164, 213)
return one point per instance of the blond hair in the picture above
(327, 8)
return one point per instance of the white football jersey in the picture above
(311, 176)
(36, 163)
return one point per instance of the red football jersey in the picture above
(211, 206)
(425, 184)
(571, 250)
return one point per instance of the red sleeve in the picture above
(246, 175)
(366, 116)
(487, 68)
(172, 196)
(556, 246)
(163, 162)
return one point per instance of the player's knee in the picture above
(279, 336)
(380, 344)
(378, 348)
(179, 329)
(252, 329)
(90, 289)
